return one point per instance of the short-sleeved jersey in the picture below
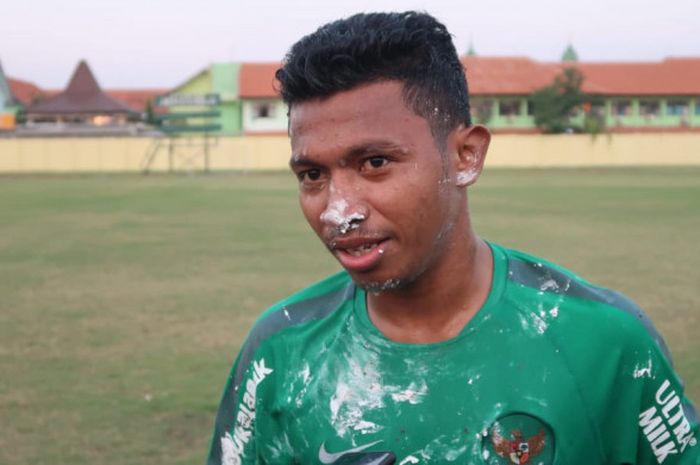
(551, 370)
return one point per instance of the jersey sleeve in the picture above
(667, 422)
(650, 420)
(234, 439)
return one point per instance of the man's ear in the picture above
(472, 145)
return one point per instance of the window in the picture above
(649, 108)
(596, 110)
(677, 107)
(622, 108)
(263, 110)
(697, 106)
(530, 108)
(509, 107)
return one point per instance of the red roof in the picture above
(673, 76)
(257, 80)
(522, 76)
(507, 75)
(136, 99)
(25, 92)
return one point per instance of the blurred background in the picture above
(147, 217)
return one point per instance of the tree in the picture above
(149, 114)
(556, 105)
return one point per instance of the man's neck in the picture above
(442, 301)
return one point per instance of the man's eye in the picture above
(309, 175)
(376, 162)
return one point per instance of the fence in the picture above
(128, 154)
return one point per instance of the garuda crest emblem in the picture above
(517, 449)
(518, 439)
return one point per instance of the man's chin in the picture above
(377, 287)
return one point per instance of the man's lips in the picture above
(358, 253)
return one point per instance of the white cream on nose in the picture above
(338, 213)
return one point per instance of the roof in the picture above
(672, 76)
(507, 75)
(27, 93)
(257, 80)
(83, 95)
(24, 91)
(136, 99)
(523, 76)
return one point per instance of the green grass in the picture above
(123, 299)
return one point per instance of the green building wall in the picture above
(668, 114)
(222, 80)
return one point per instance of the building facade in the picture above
(242, 98)
(214, 92)
(636, 97)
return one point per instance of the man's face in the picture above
(373, 185)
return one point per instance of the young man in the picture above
(432, 345)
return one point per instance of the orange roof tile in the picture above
(257, 80)
(522, 76)
(136, 99)
(24, 91)
(507, 75)
(672, 76)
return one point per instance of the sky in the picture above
(161, 43)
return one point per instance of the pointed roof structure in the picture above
(82, 96)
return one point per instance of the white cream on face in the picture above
(336, 214)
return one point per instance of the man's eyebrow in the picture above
(353, 152)
(299, 160)
(370, 147)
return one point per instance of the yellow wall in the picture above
(26, 155)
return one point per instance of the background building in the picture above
(241, 98)
(81, 105)
(8, 104)
(645, 96)
(263, 109)
(213, 91)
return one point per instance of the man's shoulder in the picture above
(567, 302)
(312, 303)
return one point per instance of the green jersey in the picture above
(551, 370)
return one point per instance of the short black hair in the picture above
(411, 47)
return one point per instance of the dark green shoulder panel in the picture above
(547, 277)
(313, 303)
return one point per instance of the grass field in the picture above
(123, 299)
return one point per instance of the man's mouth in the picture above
(358, 254)
(359, 251)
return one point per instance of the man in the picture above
(433, 345)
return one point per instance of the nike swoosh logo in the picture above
(327, 458)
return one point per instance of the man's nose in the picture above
(345, 209)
